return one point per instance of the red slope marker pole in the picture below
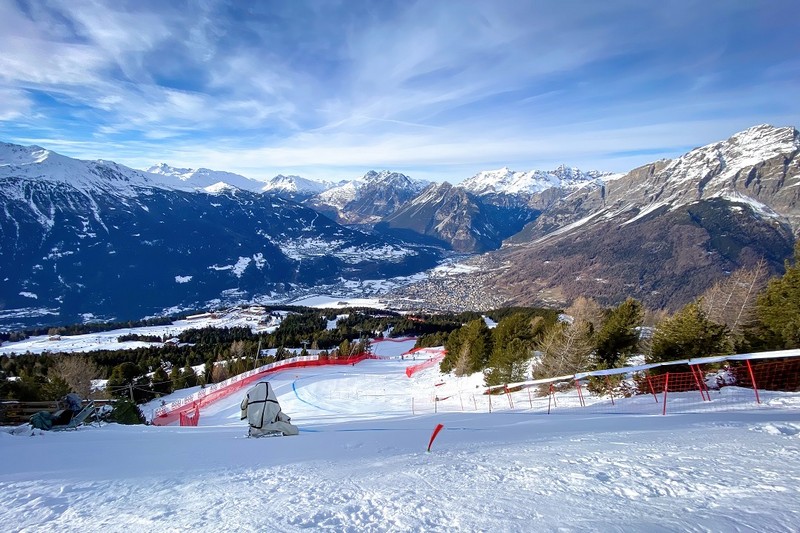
(435, 432)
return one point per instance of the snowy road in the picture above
(360, 464)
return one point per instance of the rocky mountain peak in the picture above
(392, 179)
(201, 178)
(166, 170)
(14, 154)
(295, 186)
(723, 160)
(510, 182)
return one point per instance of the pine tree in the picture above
(208, 370)
(189, 376)
(778, 309)
(161, 383)
(122, 377)
(344, 349)
(687, 334)
(619, 335)
(55, 387)
(468, 348)
(512, 342)
(178, 382)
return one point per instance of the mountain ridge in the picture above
(662, 232)
(716, 208)
(98, 239)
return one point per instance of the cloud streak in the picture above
(329, 89)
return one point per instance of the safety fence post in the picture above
(412, 406)
(551, 397)
(580, 393)
(695, 371)
(666, 388)
(650, 383)
(508, 395)
(530, 400)
(753, 380)
(703, 383)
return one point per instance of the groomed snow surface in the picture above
(360, 464)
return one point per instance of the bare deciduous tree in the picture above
(462, 366)
(78, 372)
(237, 349)
(219, 372)
(588, 311)
(565, 348)
(731, 301)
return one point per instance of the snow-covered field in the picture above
(359, 464)
(107, 340)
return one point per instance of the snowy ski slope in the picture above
(359, 464)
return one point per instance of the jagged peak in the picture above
(724, 159)
(167, 170)
(296, 184)
(374, 176)
(507, 181)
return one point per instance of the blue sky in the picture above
(436, 89)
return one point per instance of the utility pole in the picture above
(258, 352)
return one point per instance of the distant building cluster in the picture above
(449, 293)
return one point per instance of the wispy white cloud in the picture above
(330, 89)
(14, 104)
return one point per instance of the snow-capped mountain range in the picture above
(295, 186)
(369, 198)
(98, 237)
(458, 218)
(202, 178)
(666, 231)
(45, 166)
(505, 181)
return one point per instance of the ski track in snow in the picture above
(360, 464)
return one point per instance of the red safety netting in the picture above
(190, 418)
(436, 358)
(174, 412)
(672, 389)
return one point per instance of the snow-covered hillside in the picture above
(295, 185)
(731, 169)
(369, 197)
(359, 464)
(338, 196)
(202, 178)
(39, 165)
